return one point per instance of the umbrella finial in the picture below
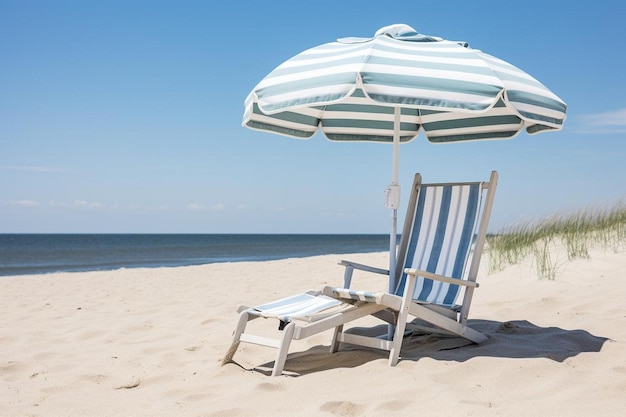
(404, 32)
(396, 30)
(399, 31)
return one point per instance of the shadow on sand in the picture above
(512, 339)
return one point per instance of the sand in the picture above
(149, 342)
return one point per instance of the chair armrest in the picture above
(351, 266)
(441, 278)
(364, 267)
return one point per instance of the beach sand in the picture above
(149, 342)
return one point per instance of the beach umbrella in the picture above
(390, 87)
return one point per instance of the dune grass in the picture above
(577, 233)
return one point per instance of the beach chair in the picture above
(437, 264)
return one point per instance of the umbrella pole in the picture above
(393, 202)
(392, 251)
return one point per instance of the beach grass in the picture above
(577, 233)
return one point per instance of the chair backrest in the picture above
(444, 224)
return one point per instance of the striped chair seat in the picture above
(309, 306)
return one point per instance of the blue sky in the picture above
(125, 116)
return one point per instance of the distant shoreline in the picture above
(34, 254)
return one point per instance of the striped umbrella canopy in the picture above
(390, 87)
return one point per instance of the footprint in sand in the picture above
(233, 412)
(95, 378)
(11, 367)
(11, 371)
(620, 369)
(199, 397)
(342, 408)
(394, 405)
(91, 334)
(129, 383)
(8, 340)
(269, 387)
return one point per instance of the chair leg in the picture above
(403, 314)
(283, 349)
(334, 345)
(398, 336)
(241, 326)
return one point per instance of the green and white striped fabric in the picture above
(349, 88)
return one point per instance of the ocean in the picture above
(22, 254)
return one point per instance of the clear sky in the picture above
(125, 116)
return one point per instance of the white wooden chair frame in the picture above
(394, 309)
